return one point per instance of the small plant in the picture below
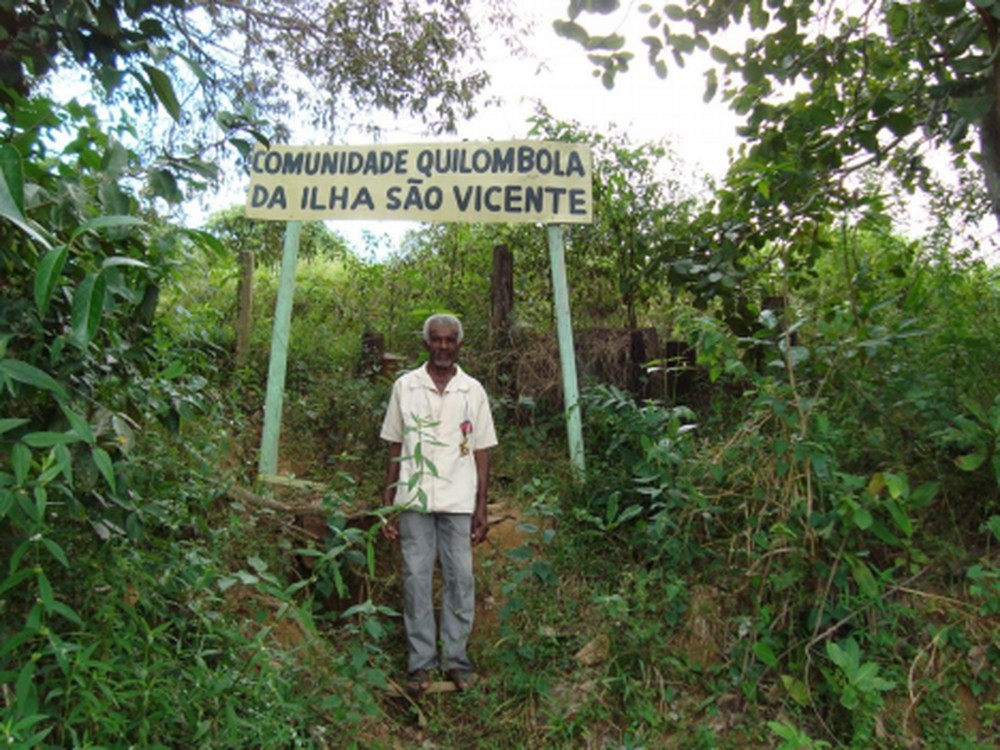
(793, 738)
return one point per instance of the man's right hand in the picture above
(389, 529)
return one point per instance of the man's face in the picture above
(443, 346)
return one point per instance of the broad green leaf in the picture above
(867, 584)
(838, 654)
(45, 592)
(64, 460)
(64, 611)
(900, 517)
(80, 425)
(675, 12)
(7, 500)
(22, 372)
(973, 108)
(108, 222)
(174, 370)
(103, 463)
(898, 485)
(970, 461)
(164, 185)
(88, 306)
(207, 241)
(863, 518)
(25, 692)
(56, 551)
(14, 579)
(796, 689)
(519, 553)
(900, 124)
(765, 653)
(12, 194)
(611, 42)
(881, 531)
(13, 180)
(47, 276)
(20, 461)
(164, 91)
(924, 494)
(572, 31)
(10, 423)
(44, 439)
(41, 496)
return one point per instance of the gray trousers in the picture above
(425, 537)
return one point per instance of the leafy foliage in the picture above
(868, 86)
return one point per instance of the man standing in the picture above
(438, 426)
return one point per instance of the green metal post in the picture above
(567, 355)
(273, 402)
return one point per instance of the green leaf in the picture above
(207, 241)
(12, 194)
(900, 517)
(970, 461)
(765, 653)
(13, 180)
(796, 689)
(163, 184)
(20, 461)
(109, 222)
(675, 12)
(22, 372)
(164, 91)
(56, 551)
(572, 31)
(47, 276)
(519, 553)
(881, 531)
(867, 584)
(25, 693)
(103, 463)
(88, 306)
(924, 494)
(64, 462)
(11, 644)
(974, 108)
(863, 518)
(64, 611)
(897, 484)
(45, 592)
(80, 425)
(8, 424)
(900, 124)
(44, 439)
(7, 500)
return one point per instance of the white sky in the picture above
(646, 107)
(557, 73)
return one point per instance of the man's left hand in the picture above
(480, 528)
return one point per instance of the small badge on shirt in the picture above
(466, 428)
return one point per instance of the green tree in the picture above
(265, 239)
(831, 91)
(640, 204)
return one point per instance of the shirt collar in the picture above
(459, 382)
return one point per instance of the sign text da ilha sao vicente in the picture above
(511, 181)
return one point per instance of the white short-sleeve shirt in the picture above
(439, 433)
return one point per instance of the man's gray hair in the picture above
(442, 319)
